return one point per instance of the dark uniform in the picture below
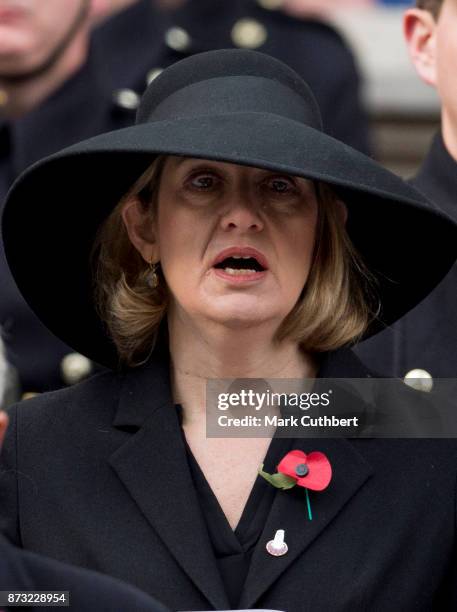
(127, 52)
(426, 338)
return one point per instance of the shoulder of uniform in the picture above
(97, 389)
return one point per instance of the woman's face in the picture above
(235, 243)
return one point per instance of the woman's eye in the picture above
(203, 182)
(281, 186)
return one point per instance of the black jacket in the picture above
(426, 338)
(21, 571)
(96, 475)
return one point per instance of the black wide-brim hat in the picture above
(236, 106)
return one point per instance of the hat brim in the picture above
(55, 208)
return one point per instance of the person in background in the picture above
(53, 92)
(313, 48)
(324, 8)
(423, 345)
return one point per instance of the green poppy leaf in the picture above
(280, 481)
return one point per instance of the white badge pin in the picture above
(277, 547)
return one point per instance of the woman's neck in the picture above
(198, 354)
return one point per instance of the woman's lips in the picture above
(235, 264)
(239, 276)
(242, 252)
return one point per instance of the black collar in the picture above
(154, 377)
(342, 363)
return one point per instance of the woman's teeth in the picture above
(236, 272)
(239, 271)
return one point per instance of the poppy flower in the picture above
(312, 471)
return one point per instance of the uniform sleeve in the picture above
(345, 117)
(9, 512)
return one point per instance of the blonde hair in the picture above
(335, 308)
(131, 310)
(338, 301)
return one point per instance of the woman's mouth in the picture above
(238, 265)
(239, 268)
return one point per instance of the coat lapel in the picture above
(350, 471)
(153, 466)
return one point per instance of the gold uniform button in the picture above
(249, 34)
(153, 74)
(127, 98)
(418, 379)
(177, 38)
(74, 368)
(271, 5)
(4, 97)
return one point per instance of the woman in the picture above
(137, 240)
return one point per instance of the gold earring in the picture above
(153, 277)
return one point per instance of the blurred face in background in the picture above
(319, 8)
(432, 43)
(446, 62)
(33, 32)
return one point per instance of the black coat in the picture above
(97, 475)
(426, 338)
(21, 570)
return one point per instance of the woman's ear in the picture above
(141, 229)
(419, 29)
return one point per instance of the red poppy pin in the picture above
(310, 471)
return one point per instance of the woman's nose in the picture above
(243, 214)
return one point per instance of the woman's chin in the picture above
(242, 317)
